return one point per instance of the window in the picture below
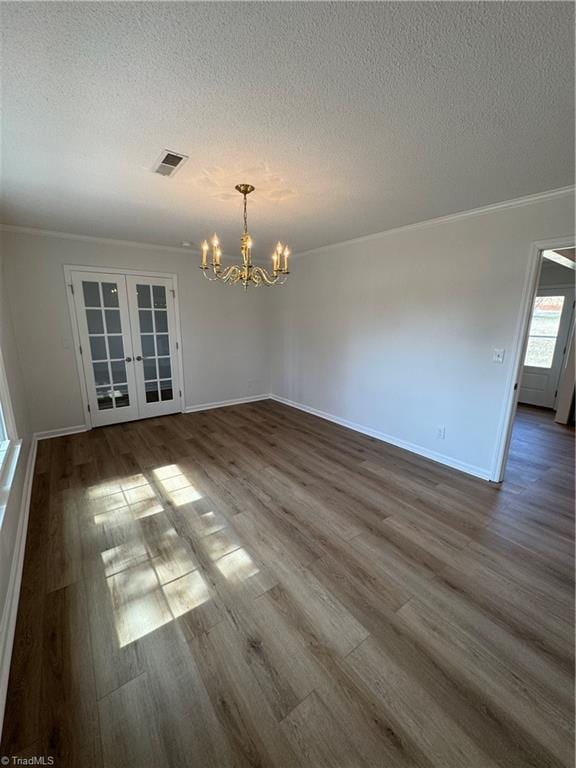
(9, 443)
(3, 437)
(543, 332)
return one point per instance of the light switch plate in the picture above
(498, 356)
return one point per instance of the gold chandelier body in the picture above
(245, 273)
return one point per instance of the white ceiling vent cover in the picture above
(169, 162)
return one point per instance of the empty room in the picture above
(287, 378)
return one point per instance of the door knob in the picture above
(128, 359)
(138, 357)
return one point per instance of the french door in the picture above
(127, 331)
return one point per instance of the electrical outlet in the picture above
(498, 356)
(441, 433)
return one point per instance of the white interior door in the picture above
(548, 334)
(153, 321)
(103, 319)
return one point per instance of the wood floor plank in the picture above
(70, 730)
(317, 737)
(130, 731)
(254, 586)
(415, 711)
(242, 709)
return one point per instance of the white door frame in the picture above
(68, 269)
(510, 402)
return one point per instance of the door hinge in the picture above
(80, 348)
(173, 292)
(180, 392)
(89, 407)
(515, 386)
(71, 286)
(177, 345)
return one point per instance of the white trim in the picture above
(224, 403)
(518, 202)
(510, 400)
(94, 239)
(117, 271)
(8, 620)
(62, 432)
(440, 458)
(179, 350)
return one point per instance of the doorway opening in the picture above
(541, 421)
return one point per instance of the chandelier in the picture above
(245, 273)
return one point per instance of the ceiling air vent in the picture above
(169, 162)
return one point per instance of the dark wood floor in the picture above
(253, 586)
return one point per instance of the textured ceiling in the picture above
(349, 118)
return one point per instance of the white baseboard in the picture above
(448, 461)
(10, 612)
(60, 432)
(224, 403)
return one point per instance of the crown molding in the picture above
(94, 239)
(514, 203)
(111, 241)
(517, 202)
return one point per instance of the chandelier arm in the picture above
(262, 275)
(206, 277)
(231, 274)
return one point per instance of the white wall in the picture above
(223, 328)
(395, 333)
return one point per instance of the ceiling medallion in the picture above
(245, 273)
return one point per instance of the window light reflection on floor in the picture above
(140, 604)
(132, 496)
(142, 598)
(177, 487)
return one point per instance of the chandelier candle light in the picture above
(246, 273)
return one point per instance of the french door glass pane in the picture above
(101, 374)
(161, 320)
(543, 332)
(150, 369)
(98, 348)
(115, 347)
(143, 293)
(166, 392)
(110, 294)
(91, 294)
(118, 371)
(151, 391)
(104, 398)
(146, 325)
(148, 345)
(94, 320)
(164, 371)
(121, 398)
(159, 293)
(162, 344)
(112, 320)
